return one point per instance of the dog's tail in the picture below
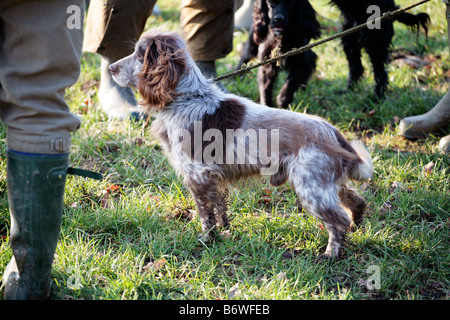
(415, 21)
(364, 169)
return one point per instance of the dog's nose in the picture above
(278, 19)
(113, 68)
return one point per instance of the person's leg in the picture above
(243, 15)
(436, 121)
(34, 74)
(112, 29)
(208, 30)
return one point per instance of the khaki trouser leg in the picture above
(114, 26)
(39, 59)
(208, 28)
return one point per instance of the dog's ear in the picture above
(261, 21)
(164, 65)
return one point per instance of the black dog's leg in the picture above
(377, 48)
(352, 48)
(267, 75)
(300, 69)
(249, 52)
(380, 73)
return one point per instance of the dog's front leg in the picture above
(206, 196)
(221, 210)
(266, 80)
(267, 76)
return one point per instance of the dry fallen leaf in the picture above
(371, 113)
(226, 234)
(155, 266)
(428, 168)
(234, 291)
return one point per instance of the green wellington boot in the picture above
(35, 193)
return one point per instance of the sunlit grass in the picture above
(131, 236)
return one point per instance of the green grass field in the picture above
(132, 236)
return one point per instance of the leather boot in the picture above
(436, 121)
(117, 102)
(35, 194)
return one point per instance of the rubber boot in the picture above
(35, 194)
(119, 103)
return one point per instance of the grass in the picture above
(131, 236)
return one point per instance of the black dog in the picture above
(375, 41)
(283, 24)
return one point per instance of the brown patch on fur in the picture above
(229, 115)
(164, 65)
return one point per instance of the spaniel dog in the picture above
(214, 138)
(376, 41)
(282, 25)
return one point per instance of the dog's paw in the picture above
(207, 237)
(328, 257)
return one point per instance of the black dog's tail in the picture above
(415, 21)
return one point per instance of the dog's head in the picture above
(278, 14)
(296, 17)
(154, 68)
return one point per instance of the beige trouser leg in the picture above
(208, 28)
(114, 26)
(39, 59)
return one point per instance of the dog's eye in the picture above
(271, 3)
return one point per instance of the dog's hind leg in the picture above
(333, 216)
(320, 199)
(353, 203)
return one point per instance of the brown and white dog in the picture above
(213, 138)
